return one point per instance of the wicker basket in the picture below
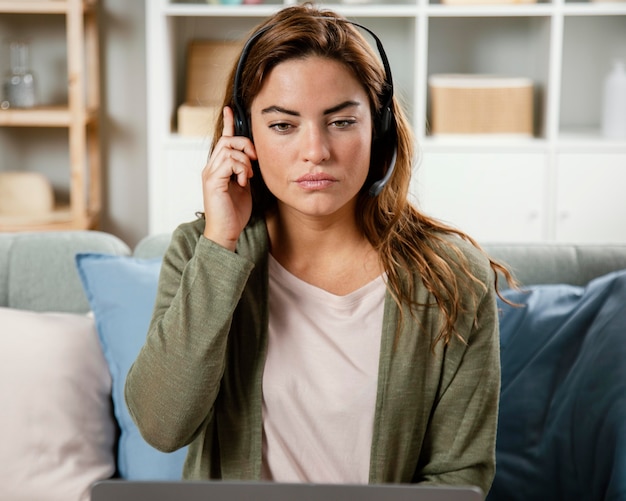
(209, 64)
(25, 194)
(481, 104)
(197, 121)
(488, 2)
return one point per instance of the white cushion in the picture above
(57, 433)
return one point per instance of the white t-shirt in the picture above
(320, 380)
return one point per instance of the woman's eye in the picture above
(280, 127)
(342, 124)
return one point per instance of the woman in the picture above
(313, 325)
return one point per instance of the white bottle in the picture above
(614, 105)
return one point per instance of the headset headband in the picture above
(383, 122)
(241, 121)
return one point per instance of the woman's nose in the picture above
(315, 147)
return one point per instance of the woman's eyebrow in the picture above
(341, 106)
(279, 109)
(334, 109)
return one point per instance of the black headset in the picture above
(384, 122)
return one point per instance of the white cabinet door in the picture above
(176, 192)
(591, 200)
(495, 197)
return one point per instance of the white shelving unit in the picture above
(564, 184)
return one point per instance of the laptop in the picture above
(123, 490)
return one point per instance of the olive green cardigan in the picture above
(198, 378)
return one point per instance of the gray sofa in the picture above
(38, 273)
(59, 430)
(37, 270)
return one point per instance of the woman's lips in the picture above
(314, 182)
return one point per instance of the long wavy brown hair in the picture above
(404, 238)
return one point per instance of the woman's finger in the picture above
(229, 122)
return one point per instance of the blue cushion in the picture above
(562, 425)
(121, 292)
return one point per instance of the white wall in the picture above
(125, 191)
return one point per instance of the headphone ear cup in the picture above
(241, 122)
(385, 122)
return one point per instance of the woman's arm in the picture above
(172, 386)
(459, 446)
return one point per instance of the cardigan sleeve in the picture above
(173, 384)
(459, 445)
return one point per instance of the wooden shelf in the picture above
(80, 116)
(42, 116)
(59, 219)
(41, 6)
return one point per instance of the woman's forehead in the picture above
(328, 80)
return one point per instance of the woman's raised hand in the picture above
(226, 187)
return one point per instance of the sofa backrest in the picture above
(38, 271)
(534, 264)
(152, 246)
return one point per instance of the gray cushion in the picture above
(38, 272)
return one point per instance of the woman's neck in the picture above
(330, 253)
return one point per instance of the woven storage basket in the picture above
(25, 194)
(209, 63)
(488, 2)
(208, 66)
(481, 104)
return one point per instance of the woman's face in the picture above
(312, 129)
